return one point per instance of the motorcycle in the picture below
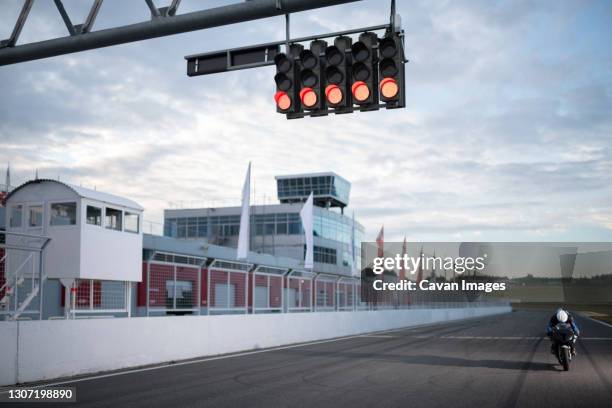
(563, 338)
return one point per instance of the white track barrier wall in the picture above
(42, 350)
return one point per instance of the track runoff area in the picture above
(497, 361)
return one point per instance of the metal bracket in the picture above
(168, 11)
(75, 29)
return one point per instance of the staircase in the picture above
(23, 279)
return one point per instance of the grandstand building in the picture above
(276, 229)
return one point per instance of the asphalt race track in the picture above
(500, 361)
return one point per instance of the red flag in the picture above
(420, 272)
(380, 242)
(402, 274)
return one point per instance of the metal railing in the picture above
(21, 274)
(236, 287)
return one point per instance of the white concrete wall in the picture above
(60, 348)
(8, 353)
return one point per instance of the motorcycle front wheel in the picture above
(566, 358)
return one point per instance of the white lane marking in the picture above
(493, 337)
(500, 337)
(595, 320)
(379, 336)
(595, 338)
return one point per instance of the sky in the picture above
(506, 134)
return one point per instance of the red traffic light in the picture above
(360, 91)
(333, 93)
(389, 87)
(283, 101)
(308, 97)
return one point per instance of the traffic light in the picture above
(340, 78)
(391, 71)
(311, 69)
(286, 96)
(336, 78)
(365, 71)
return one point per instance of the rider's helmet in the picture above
(562, 315)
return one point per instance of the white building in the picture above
(93, 235)
(86, 235)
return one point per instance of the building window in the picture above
(94, 215)
(324, 255)
(295, 228)
(63, 214)
(16, 216)
(113, 219)
(202, 230)
(35, 216)
(131, 222)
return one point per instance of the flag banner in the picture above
(307, 223)
(7, 180)
(245, 216)
(380, 241)
(542, 272)
(402, 273)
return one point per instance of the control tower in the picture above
(328, 188)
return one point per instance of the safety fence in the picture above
(267, 293)
(191, 285)
(174, 284)
(91, 297)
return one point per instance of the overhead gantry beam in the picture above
(164, 22)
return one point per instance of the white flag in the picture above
(307, 221)
(243, 235)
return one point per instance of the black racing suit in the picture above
(554, 321)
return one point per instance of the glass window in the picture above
(113, 219)
(36, 216)
(94, 215)
(63, 214)
(16, 216)
(131, 222)
(295, 228)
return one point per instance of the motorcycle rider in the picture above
(562, 316)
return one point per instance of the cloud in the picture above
(506, 135)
